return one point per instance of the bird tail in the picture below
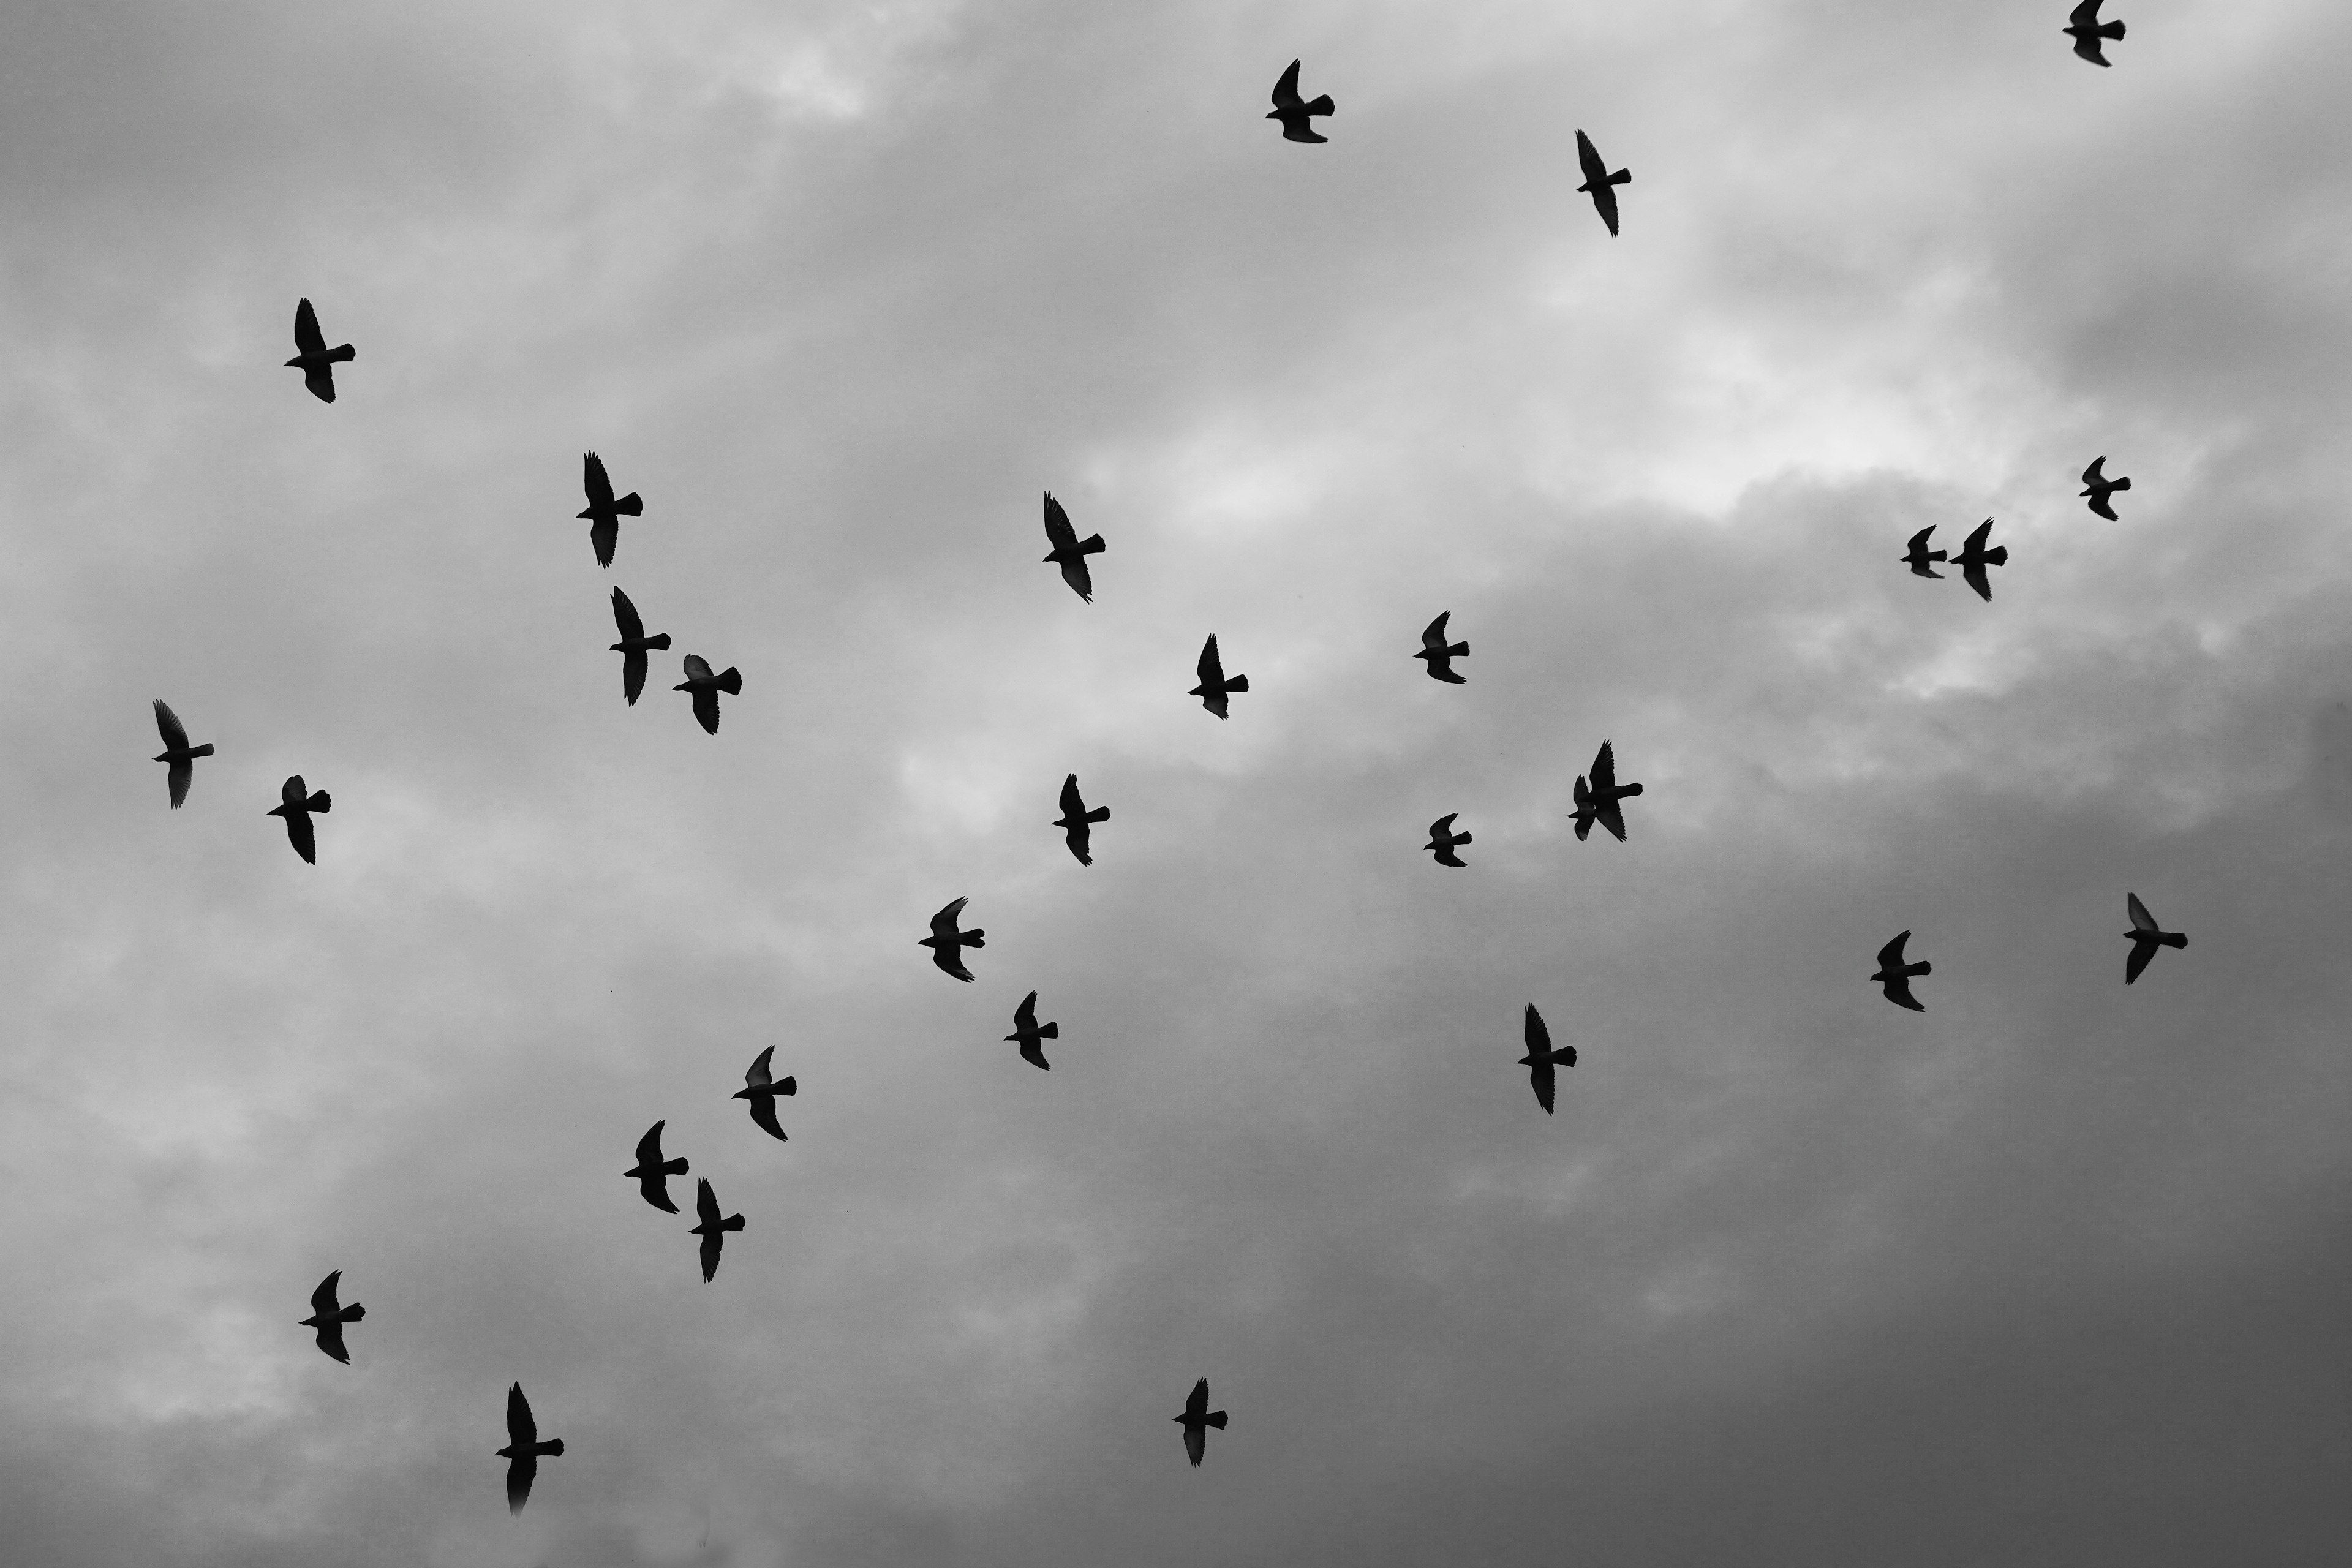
(1459, 650)
(1324, 105)
(552, 1448)
(1049, 1031)
(732, 1222)
(731, 682)
(2120, 484)
(1922, 967)
(1093, 545)
(1622, 177)
(630, 505)
(1216, 1418)
(2112, 30)
(1099, 814)
(1238, 683)
(2172, 939)
(319, 801)
(355, 1313)
(789, 1085)
(972, 939)
(658, 642)
(1997, 556)
(1465, 839)
(345, 354)
(1626, 791)
(203, 751)
(676, 1167)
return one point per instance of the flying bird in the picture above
(1440, 654)
(296, 804)
(713, 1230)
(1077, 822)
(523, 1449)
(2145, 938)
(946, 943)
(652, 1173)
(1294, 112)
(1215, 685)
(315, 360)
(706, 687)
(1069, 551)
(634, 646)
(602, 513)
(1198, 1417)
(1894, 975)
(1443, 838)
(1599, 802)
(1974, 557)
(2082, 22)
(328, 1318)
(2098, 487)
(1029, 1032)
(177, 752)
(1919, 555)
(761, 1091)
(1542, 1058)
(1598, 182)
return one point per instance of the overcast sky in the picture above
(2055, 1272)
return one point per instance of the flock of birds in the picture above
(1598, 797)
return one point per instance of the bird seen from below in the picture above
(1442, 840)
(327, 1318)
(1542, 1058)
(523, 1450)
(312, 357)
(652, 1173)
(1030, 1033)
(634, 646)
(2145, 938)
(1294, 112)
(1597, 801)
(1440, 654)
(1215, 683)
(1196, 1421)
(296, 804)
(1069, 551)
(1077, 822)
(2098, 488)
(946, 943)
(178, 753)
(1919, 556)
(1599, 182)
(2083, 25)
(1974, 557)
(705, 687)
(1894, 975)
(761, 1091)
(713, 1230)
(602, 513)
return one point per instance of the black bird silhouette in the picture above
(1077, 822)
(294, 805)
(713, 1230)
(1198, 1417)
(1599, 802)
(1069, 549)
(634, 646)
(2082, 22)
(1215, 685)
(1293, 111)
(1443, 838)
(1919, 555)
(2145, 938)
(1542, 1058)
(523, 1449)
(2098, 487)
(1598, 182)
(1440, 654)
(761, 1091)
(315, 361)
(652, 1173)
(1894, 975)
(706, 687)
(177, 752)
(946, 943)
(328, 1318)
(1974, 557)
(1028, 1032)
(602, 513)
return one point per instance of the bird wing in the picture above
(1604, 769)
(1210, 669)
(175, 734)
(605, 538)
(1058, 531)
(1919, 540)
(1196, 1404)
(176, 778)
(1898, 991)
(2141, 952)
(2085, 15)
(1610, 816)
(299, 833)
(758, 1073)
(1541, 1078)
(944, 924)
(596, 482)
(1604, 202)
(625, 616)
(1433, 636)
(293, 793)
(1976, 537)
(706, 1202)
(1285, 96)
(1024, 1016)
(705, 709)
(649, 1150)
(329, 1333)
(1074, 804)
(308, 338)
(763, 1116)
(696, 668)
(1539, 1034)
(1081, 580)
(1588, 158)
(322, 1299)
(2090, 476)
(1973, 573)
(1891, 955)
(522, 1430)
(2101, 505)
(2140, 918)
(633, 676)
(1443, 826)
(951, 959)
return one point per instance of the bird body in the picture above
(713, 1230)
(1196, 1420)
(1069, 551)
(1077, 822)
(296, 804)
(1439, 653)
(1599, 182)
(1894, 975)
(1215, 685)
(1442, 840)
(706, 687)
(946, 942)
(652, 1173)
(1974, 557)
(2145, 938)
(1599, 802)
(2083, 25)
(2098, 487)
(327, 1318)
(1542, 1058)
(1919, 555)
(604, 513)
(634, 646)
(1029, 1033)
(312, 357)
(761, 1091)
(1294, 113)
(178, 753)
(523, 1450)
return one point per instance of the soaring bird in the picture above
(1077, 822)
(2145, 936)
(946, 943)
(1294, 112)
(1069, 551)
(1974, 557)
(1198, 1417)
(1600, 803)
(1919, 555)
(1542, 1058)
(315, 361)
(652, 1173)
(177, 752)
(1894, 975)
(294, 805)
(634, 646)
(2082, 22)
(1443, 838)
(1598, 182)
(1028, 1032)
(713, 1230)
(602, 513)
(2098, 486)
(328, 1318)
(761, 1091)
(1441, 654)
(706, 687)
(523, 1449)
(1215, 685)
